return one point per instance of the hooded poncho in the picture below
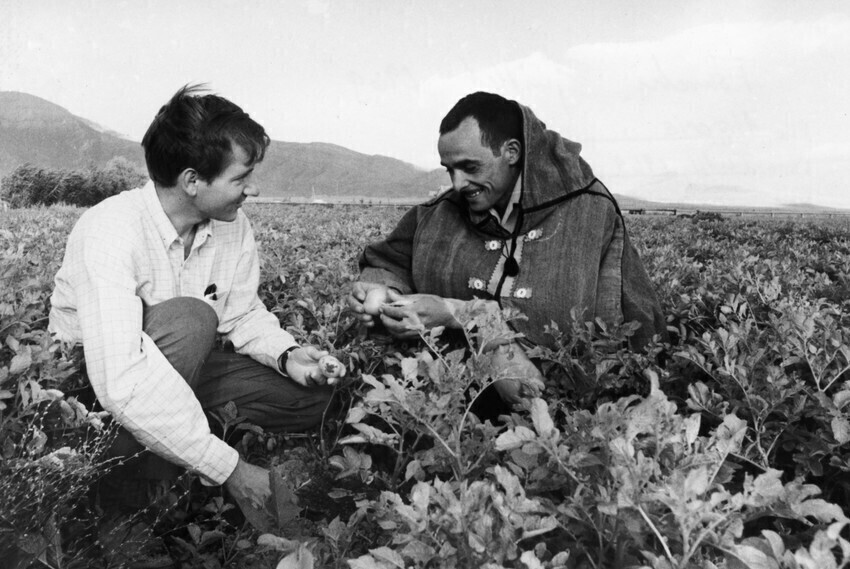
(569, 242)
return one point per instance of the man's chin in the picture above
(478, 203)
(228, 216)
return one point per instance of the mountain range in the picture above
(36, 131)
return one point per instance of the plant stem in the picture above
(658, 535)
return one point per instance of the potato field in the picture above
(725, 445)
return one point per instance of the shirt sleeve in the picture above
(388, 262)
(131, 377)
(246, 322)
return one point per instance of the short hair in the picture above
(199, 131)
(498, 118)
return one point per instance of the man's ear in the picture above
(512, 150)
(188, 181)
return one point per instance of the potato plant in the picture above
(723, 445)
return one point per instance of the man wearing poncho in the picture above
(526, 225)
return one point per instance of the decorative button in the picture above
(476, 284)
(523, 293)
(493, 245)
(534, 234)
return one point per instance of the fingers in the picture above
(315, 366)
(358, 291)
(317, 377)
(357, 300)
(394, 312)
(399, 328)
(315, 353)
(357, 296)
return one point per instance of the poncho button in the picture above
(476, 284)
(493, 245)
(523, 293)
(534, 234)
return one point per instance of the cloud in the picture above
(757, 107)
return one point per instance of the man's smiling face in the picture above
(483, 178)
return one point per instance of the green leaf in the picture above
(696, 482)
(768, 486)
(841, 429)
(302, 558)
(389, 556)
(229, 411)
(515, 438)
(418, 552)
(21, 362)
(355, 414)
(194, 532)
(277, 543)
(476, 543)
(414, 470)
(730, 434)
(543, 423)
(530, 560)
(749, 557)
(367, 562)
(37, 442)
(211, 536)
(777, 546)
(819, 509)
(283, 499)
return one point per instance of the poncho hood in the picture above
(552, 173)
(552, 170)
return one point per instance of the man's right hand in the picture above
(366, 300)
(407, 316)
(249, 486)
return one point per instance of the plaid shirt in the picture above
(124, 253)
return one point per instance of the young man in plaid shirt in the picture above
(151, 276)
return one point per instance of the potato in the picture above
(375, 298)
(332, 368)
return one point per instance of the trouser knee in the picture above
(184, 330)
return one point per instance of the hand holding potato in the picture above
(366, 300)
(405, 316)
(309, 365)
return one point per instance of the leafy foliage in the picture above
(30, 185)
(725, 446)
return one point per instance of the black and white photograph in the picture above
(418, 284)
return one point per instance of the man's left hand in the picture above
(406, 315)
(303, 367)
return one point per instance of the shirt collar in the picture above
(508, 220)
(163, 225)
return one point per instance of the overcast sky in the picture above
(731, 102)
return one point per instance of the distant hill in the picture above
(321, 169)
(37, 131)
(44, 134)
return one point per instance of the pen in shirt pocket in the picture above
(209, 293)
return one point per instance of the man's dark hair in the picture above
(199, 131)
(498, 118)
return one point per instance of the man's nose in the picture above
(251, 190)
(458, 181)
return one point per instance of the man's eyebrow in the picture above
(244, 174)
(461, 163)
